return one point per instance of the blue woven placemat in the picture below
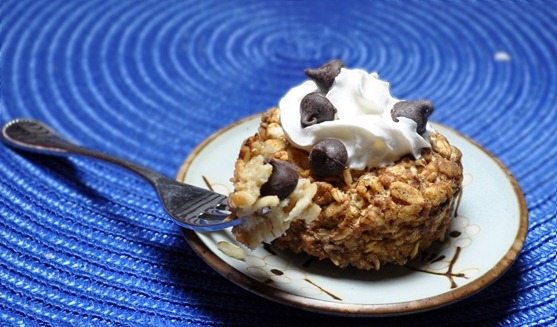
(83, 243)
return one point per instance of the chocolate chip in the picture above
(418, 111)
(324, 76)
(315, 108)
(328, 157)
(283, 179)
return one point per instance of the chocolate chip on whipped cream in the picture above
(418, 111)
(282, 181)
(324, 76)
(328, 158)
(316, 108)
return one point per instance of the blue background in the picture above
(87, 243)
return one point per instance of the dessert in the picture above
(342, 170)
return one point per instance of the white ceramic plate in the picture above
(485, 238)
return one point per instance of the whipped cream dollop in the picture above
(363, 121)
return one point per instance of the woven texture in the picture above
(84, 243)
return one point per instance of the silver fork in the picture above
(189, 206)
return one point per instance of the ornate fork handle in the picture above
(190, 206)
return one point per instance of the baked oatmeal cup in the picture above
(345, 172)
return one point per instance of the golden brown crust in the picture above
(367, 218)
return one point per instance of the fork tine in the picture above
(195, 208)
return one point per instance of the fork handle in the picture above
(190, 206)
(35, 136)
